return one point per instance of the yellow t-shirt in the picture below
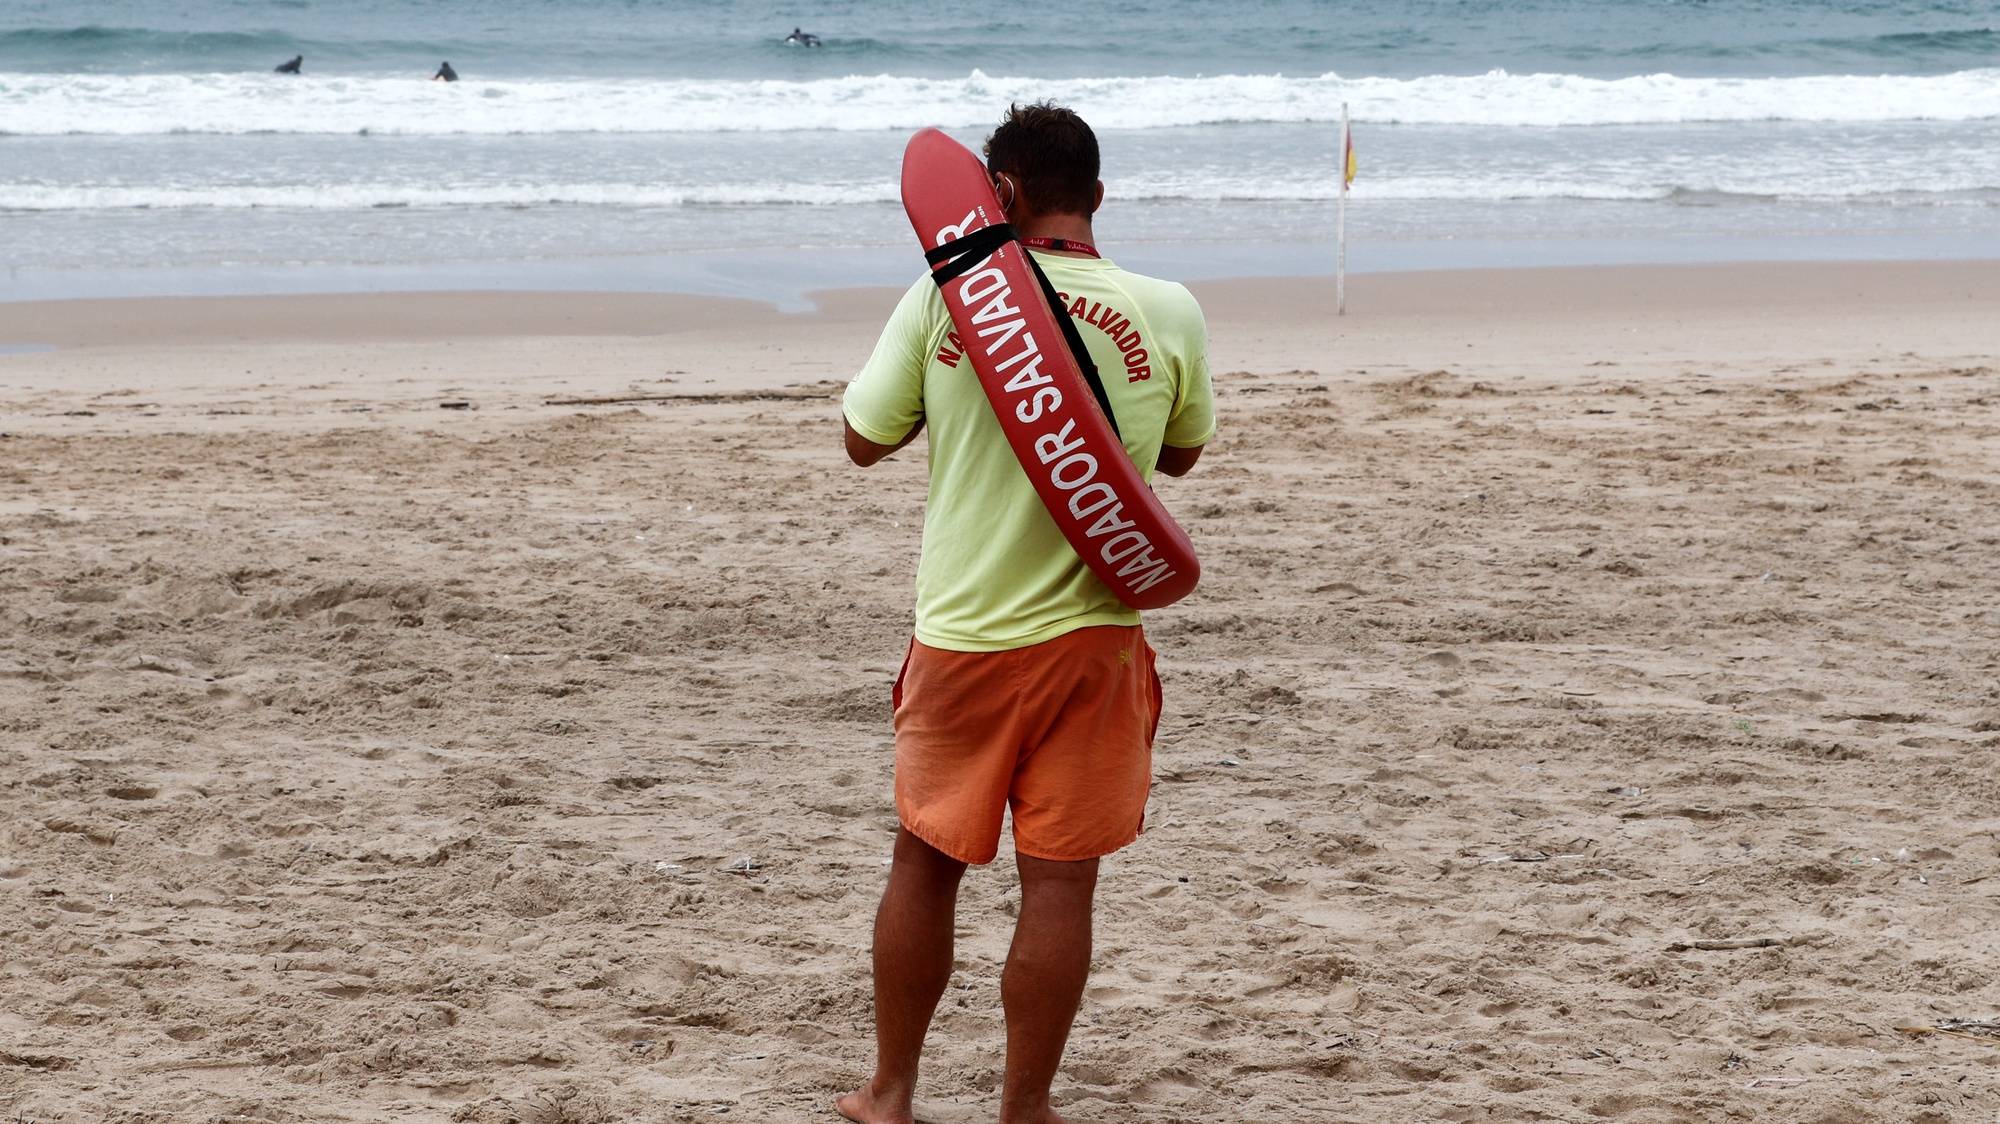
(996, 572)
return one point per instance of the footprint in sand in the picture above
(231, 699)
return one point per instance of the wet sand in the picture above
(367, 759)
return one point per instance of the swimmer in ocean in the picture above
(291, 67)
(801, 39)
(445, 73)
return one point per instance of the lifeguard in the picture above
(1029, 685)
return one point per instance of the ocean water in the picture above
(146, 145)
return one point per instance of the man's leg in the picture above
(1043, 983)
(913, 932)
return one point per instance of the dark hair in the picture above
(1052, 152)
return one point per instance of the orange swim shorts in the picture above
(1061, 732)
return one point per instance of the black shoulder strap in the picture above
(1076, 346)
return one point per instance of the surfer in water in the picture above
(1028, 684)
(801, 39)
(292, 67)
(445, 73)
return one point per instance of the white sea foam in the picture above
(1904, 190)
(364, 196)
(232, 103)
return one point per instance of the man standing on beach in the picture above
(1028, 684)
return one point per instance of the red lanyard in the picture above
(1059, 244)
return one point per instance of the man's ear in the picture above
(1009, 190)
(1097, 200)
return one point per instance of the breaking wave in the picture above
(31, 197)
(127, 105)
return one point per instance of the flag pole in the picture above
(1340, 270)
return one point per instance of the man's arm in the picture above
(1176, 461)
(864, 452)
(1191, 424)
(882, 409)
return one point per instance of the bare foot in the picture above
(870, 1105)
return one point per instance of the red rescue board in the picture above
(1078, 466)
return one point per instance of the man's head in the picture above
(1050, 155)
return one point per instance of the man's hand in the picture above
(1174, 461)
(864, 452)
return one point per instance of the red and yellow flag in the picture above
(1349, 165)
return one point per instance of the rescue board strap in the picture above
(964, 253)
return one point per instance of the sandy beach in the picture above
(1590, 712)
